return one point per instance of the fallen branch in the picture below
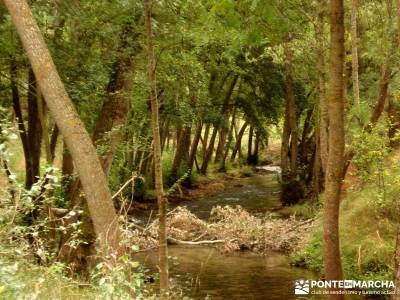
(172, 241)
(124, 186)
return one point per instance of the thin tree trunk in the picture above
(181, 153)
(333, 180)
(354, 52)
(53, 142)
(230, 138)
(383, 92)
(323, 107)
(71, 127)
(291, 111)
(306, 130)
(20, 120)
(43, 123)
(34, 132)
(285, 146)
(195, 143)
(209, 152)
(205, 139)
(162, 208)
(396, 296)
(250, 145)
(238, 145)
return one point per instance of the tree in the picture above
(333, 180)
(93, 180)
(323, 108)
(162, 203)
(354, 52)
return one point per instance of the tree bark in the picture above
(71, 127)
(34, 132)
(323, 107)
(239, 141)
(291, 111)
(333, 180)
(285, 146)
(250, 144)
(396, 296)
(16, 103)
(230, 138)
(209, 152)
(116, 106)
(162, 203)
(195, 143)
(181, 153)
(354, 52)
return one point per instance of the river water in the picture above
(205, 273)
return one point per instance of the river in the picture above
(205, 273)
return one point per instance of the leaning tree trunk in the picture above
(194, 146)
(333, 180)
(93, 180)
(114, 111)
(162, 203)
(238, 144)
(354, 52)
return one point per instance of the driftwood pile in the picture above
(229, 229)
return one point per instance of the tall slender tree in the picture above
(354, 52)
(323, 107)
(162, 202)
(333, 180)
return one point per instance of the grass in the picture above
(368, 227)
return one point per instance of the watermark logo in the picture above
(348, 287)
(302, 287)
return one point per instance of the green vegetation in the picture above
(368, 221)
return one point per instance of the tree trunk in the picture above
(285, 146)
(323, 107)
(333, 180)
(162, 205)
(205, 139)
(304, 136)
(396, 296)
(20, 121)
(354, 52)
(238, 145)
(383, 91)
(116, 106)
(291, 106)
(195, 143)
(71, 127)
(34, 133)
(209, 152)
(181, 153)
(230, 138)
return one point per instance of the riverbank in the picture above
(369, 218)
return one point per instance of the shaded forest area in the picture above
(108, 108)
